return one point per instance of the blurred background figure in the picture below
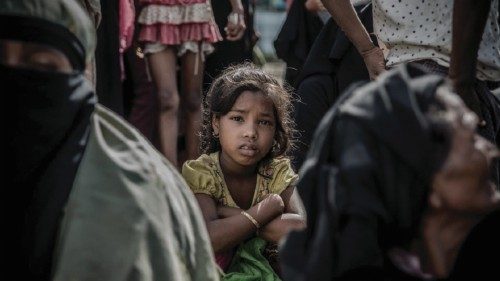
(297, 35)
(228, 52)
(332, 65)
(139, 94)
(172, 29)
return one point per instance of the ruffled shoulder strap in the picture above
(281, 175)
(201, 176)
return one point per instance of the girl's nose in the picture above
(250, 131)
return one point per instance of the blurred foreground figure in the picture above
(394, 182)
(92, 199)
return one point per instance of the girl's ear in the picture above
(215, 124)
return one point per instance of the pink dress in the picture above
(186, 24)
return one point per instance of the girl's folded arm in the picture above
(226, 233)
(292, 219)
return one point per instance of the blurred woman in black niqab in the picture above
(44, 50)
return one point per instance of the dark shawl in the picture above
(296, 37)
(378, 153)
(332, 65)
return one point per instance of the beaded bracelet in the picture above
(250, 218)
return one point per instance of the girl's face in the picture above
(246, 132)
(463, 183)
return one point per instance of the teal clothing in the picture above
(249, 264)
(130, 215)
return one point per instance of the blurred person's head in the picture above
(429, 130)
(433, 133)
(45, 35)
(462, 184)
(44, 48)
(461, 190)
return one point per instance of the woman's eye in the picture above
(43, 66)
(42, 61)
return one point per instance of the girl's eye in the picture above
(237, 118)
(265, 122)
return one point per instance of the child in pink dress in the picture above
(185, 29)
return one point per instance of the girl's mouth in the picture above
(248, 150)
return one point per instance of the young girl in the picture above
(243, 183)
(184, 29)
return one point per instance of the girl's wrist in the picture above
(260, 217)
(251, 219)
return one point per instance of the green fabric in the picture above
(249, 264)
(130, 215)
(67, 13)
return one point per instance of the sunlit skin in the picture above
(33, 56)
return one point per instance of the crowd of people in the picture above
(376, 159)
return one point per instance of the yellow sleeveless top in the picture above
(204, 175)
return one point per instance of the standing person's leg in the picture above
(143, 112)
(192, 78)
(163, 70)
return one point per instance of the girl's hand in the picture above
(272, 205)
(235, 28)
(280, 227)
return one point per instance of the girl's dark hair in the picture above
(224, 92)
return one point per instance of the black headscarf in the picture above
(296, 37)
(379, 152)
(46, 134)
